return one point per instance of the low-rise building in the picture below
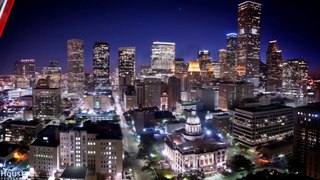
(104, 116)
(188, 105)
(97, 102)
(172, 126)
(15, 130)
(74, 172)
(253, 126)
(220, 120)
(143, 118)
(130, 100)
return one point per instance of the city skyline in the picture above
(51, 45)
(166, 89)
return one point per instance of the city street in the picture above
(130, 145)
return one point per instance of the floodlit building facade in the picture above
(163, 56)
(97, 146)
(191, 148)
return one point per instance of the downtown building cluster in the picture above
(70, 121)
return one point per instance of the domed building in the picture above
(191, 148)
(193, 128)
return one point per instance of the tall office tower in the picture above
(224, 67)
(263, 74)
(248, 59)
(230, 93)
(127, 57)
(138, 88)
(152, 92)
(232, 42)
(76, 76)
(174, 92)
(127, 61)
(216, 69)
(306, 132)
(53, 74)
(97, 146)
(203, 55)
(274, 65)
(204, 59)
(258, 125)
(97, 102)
(130, 99)
(101, 66)
(295, 75)
(207, 98)
(25, 68)
(46, 100)
(25, 71)
(193, 78)
(162, 57)
(179, 66)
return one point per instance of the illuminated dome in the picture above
(193, 128)
(193, 119)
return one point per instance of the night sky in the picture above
(39, 29)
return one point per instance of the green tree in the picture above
(272, 175)
(238, 162)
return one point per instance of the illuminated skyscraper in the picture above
(101, 66)
(232, 54)
(174, 92)
(203, 55)
(25, 71)
(274, 65)
(179, 66)
(53, 74)
(25, 68)
(46, 100)
(295, 75)
(224, 67)
(127, 61)
(248, 59)
(204, 59)
(231, 93)
(76, 76)
(163, 55)
(216, 67)
(152, 92)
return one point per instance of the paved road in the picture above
(130, 145)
